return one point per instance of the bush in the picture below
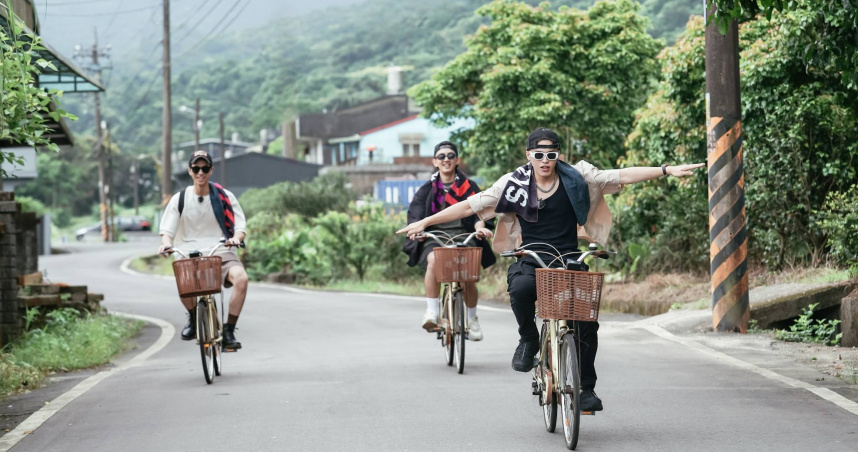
(838, 219)
(310, 199)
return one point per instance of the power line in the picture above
(206, 37)
(128, 11)
(202, 19)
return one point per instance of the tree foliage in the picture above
(824, 34)
(581, 73)
(309, 199)
(799, 146)
(25, 108)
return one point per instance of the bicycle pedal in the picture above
(588, 413)
(230, 350)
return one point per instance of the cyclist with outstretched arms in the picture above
(195, 218)
(446, 187)
(546, 205)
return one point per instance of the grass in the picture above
(153, 264)
(66, 341)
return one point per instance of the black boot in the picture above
(229, 341)
(590, 401)
(189, 332)
(522, 359)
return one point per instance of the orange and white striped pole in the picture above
(727, 216)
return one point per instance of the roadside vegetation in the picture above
(62, 340)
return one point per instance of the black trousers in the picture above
(521, 281)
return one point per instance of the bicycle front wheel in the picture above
(459, 325)
(447, 325)
(570, 382)
(204, 335)
(217, 345)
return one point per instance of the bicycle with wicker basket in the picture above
(455, 263)
(200, 277)
(565, 296)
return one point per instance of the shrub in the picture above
(838, 219)
(310, 199)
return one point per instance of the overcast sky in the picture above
(128, 24)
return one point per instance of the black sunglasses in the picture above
(541, 155)
(196, 169)
(449, 156)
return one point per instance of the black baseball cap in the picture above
(446, 145)
(543, 134)
(200, 155)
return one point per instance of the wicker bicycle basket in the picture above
(458, 264)
(198, 276)
(568, 295)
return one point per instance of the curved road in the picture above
(328, 371)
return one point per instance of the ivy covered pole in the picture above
(727, 217)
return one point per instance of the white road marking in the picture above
(824, 393)
(36, 419)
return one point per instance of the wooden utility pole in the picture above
(99, 144)
(110, 190)
(727, 218)
(197, 125)
(222, 152)
(166, 115)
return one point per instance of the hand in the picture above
(233, 242)
(683, 170)
(412, 229)
(484, 232)
(163, 250)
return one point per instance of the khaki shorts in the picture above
(228, 260)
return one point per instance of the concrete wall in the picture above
(363, 178)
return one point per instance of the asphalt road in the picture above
(329, 371)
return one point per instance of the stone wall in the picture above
(10, 309)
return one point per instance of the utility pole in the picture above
(222, 152)
(94, 67)
(197, 125)
(166, 115)
(727, 217)
(135, 171)
(109, 190)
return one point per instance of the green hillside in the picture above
(327, 59)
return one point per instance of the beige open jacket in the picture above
(599, 219)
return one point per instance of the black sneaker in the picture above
(189, 332)
(522, 359)
(590, 401)
(229, 341)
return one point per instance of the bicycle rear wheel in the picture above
(570, 382)
(459, 331)
(447, 328)
(204, 334)
(549, 408)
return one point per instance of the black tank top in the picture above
(556, 225)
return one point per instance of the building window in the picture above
(410, 149)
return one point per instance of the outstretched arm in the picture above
(641, 173)
(454, 212)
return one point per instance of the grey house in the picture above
(252, 170)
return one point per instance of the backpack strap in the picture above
(181, 195)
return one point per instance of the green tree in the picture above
(582, 73)
(25, 109)
(799, 145)
(324, 193)
(823, 36)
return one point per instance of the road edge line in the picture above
(823, 393)
(35, 420)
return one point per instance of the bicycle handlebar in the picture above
(221, 243)
(450, 240)
(519, 252)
